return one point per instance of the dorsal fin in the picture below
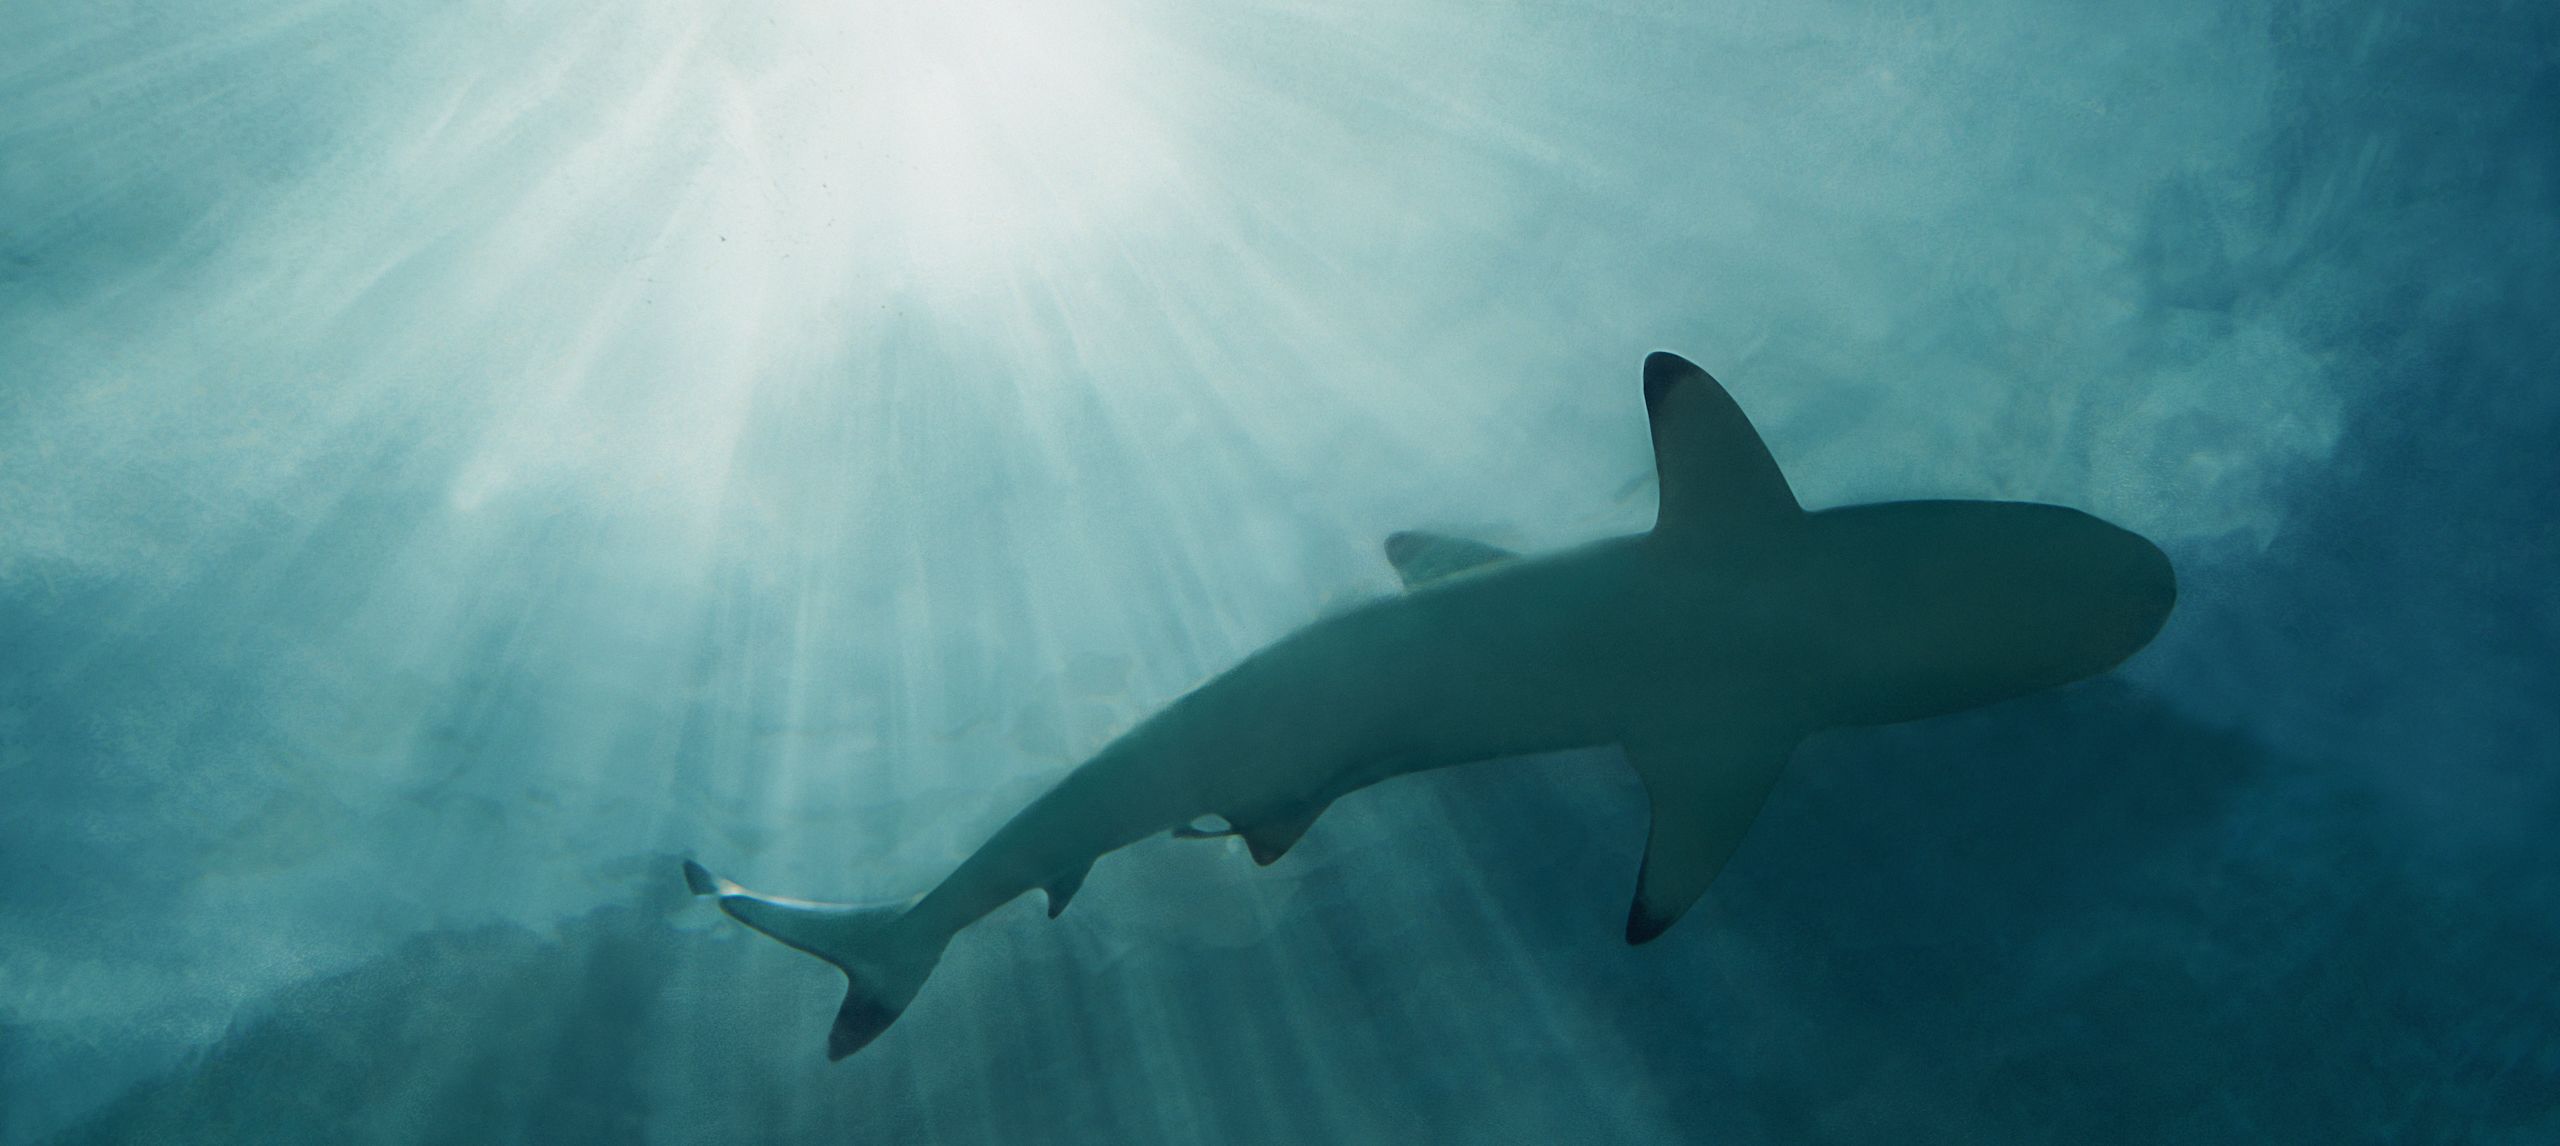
(1421, 558)
(1717, 476)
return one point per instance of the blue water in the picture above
(457, 459)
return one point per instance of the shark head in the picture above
(2142, 588)
(1998, 599)
(1936, 605)
(2095, 592)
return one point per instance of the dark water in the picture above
(455, 461)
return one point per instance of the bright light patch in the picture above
(972, 133)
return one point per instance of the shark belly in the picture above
(1540, 658)
(1521, 662)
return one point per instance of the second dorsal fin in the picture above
(1717, 476)
(1421, 558)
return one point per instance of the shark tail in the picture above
(885, 962)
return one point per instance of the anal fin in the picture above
(1705, 789)
(1063, 888)
(1272, 837)
(1421, 558)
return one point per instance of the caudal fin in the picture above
(884, 963)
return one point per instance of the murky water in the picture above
(456, 460)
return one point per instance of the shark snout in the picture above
(2146, 591)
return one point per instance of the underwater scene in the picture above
(1952, 571)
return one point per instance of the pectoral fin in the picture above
(1705, 791)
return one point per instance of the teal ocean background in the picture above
(458, 459)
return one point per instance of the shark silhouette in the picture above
(1706, 648)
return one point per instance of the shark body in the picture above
(1706, 648)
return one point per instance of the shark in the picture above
(1705, 648)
